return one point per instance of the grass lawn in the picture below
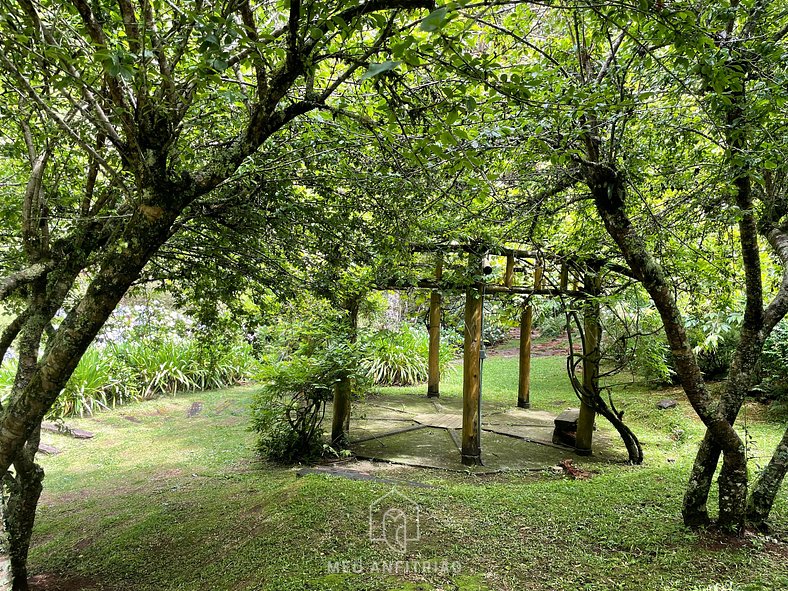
(159, 501)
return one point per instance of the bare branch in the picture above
(13, 282)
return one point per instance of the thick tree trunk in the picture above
(695, 510)
(768, 485)
(6, 572)
(40, 379)
(25, 493)
(609, 192)
(146, 231)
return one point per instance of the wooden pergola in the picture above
(546, 274)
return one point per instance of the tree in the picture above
(592, 84)
(151, 106)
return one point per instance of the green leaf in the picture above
(434, 20)
(376, 69)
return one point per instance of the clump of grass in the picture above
(399, 357)
(121, 372)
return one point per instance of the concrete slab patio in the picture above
(418, 431)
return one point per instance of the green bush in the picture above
(400, 357)
(632, 337)
(100, 381)
(714, 336)
(119, 373)
(288, 412)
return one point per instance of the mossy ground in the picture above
(159, 501)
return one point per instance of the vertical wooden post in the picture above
(340, 422)
(434, 371)
(593, 334)
(526, 324)
(563, 282)
(508, 278)
(471, 379)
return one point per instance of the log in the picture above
(526, 325)
(593, 334)
(471, 382)
(434, 372)
(508, 278)
(340, 422)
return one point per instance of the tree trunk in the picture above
(768, 485)
(609, 191)
(23, 501)
(6, 572)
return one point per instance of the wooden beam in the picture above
(592, 357)
(340, 422)
(343, 390)
(578, 264)
(433, 365)
(526, 325)
(456, 287)
(524, 382)
(508, 278)
(471, 378)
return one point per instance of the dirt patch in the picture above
(167, 474)
(52, 582)
(83, 544)
(50, 499)
(716, 541)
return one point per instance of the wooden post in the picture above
(471, 379)
(508, 278)
(593, 334)
(434, 371)
(563, 282)
(526, 324)
(340, 422)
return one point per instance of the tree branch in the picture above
(13, 282)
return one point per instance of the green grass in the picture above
(550, 389)
(172, 503)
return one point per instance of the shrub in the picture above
(99, 381)
(288, 412)
(633, 338)
(119, 373)
(549, 317)
(714, 336)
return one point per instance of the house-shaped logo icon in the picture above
(394, 520)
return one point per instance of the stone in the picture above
(81, 434)
(666, 404)
(51, 427)
(47, 449)
(194, 410)
(63, 429)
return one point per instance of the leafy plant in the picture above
(714, 335)
(400, 357)
(100, 381)
(288, 412)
